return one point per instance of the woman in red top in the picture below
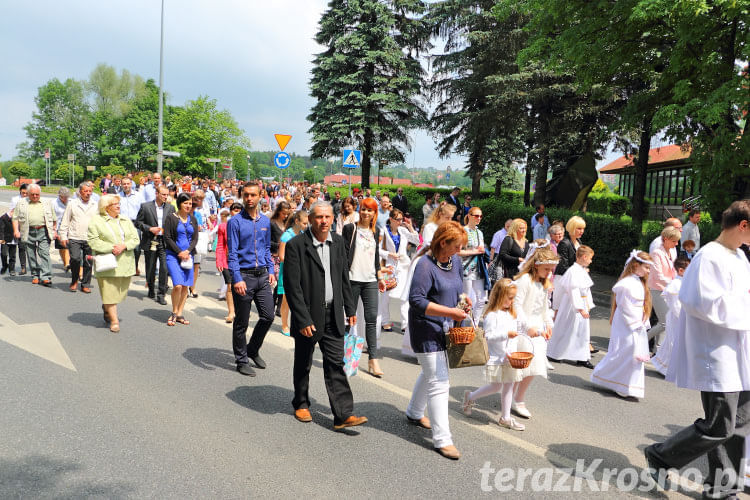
(221, 256)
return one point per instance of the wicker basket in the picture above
(461, 335)
(521, 359)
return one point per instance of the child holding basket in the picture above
(502, 324)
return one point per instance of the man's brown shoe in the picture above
(85, 289)
(35, 281)
(449, 452)
(303, 415)
(350, 422)
(73, 287)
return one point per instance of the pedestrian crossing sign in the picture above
(352, 158)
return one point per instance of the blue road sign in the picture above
(352, 158)
(282, 159)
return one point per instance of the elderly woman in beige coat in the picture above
(110, 232)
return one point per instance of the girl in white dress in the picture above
(572, 300)
(670, 295)
(622, 369)
(502, 323)
(533, 283)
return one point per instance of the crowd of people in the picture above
(279, 246)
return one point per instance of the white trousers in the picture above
(478, 295)
(661, 309)
(431, 392)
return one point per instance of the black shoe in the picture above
(2, 271)
(258, 361)
(246, 369)
(161, 300)
(553, 360)
(586, 364)
(12, 273)
(23, 271)
(657, 471)
(151, 294)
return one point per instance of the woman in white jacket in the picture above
(396, 239)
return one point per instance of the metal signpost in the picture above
(214, 161)
(351, 158)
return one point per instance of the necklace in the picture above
(444, 267)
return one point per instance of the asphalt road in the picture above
(160, 412)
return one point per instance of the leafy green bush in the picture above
(607, 203)
(113, 169)
(611, 238)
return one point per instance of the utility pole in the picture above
(160, 147)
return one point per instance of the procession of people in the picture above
(280, 247)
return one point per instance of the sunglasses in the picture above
(478, 216)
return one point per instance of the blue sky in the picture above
(253, 57)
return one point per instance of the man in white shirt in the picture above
(691, 230)
(149, 190)
(711, 355)
(671, 222)
(384, 212)
(74, 229)
(130, 204)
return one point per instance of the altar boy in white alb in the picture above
(711, 354)
(572, 300)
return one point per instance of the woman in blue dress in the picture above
(180, 237)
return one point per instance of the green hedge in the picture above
(709, 230)
(608, 203)
(611, 238)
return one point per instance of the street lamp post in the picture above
(160, 147)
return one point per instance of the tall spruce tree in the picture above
(368, 81)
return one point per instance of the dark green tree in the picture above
(368, 81)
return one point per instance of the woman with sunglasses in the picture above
(396, 238)
(475, 275)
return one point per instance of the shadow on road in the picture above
(592, 469)
(160, 315)
(211, 358)
(38, 476)
(87, 319)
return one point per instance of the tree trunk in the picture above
(476, 183)
(641, 169)
(527, 186)
(498, 187)
(540, 190)
(366, 158)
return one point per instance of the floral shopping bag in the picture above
(353, 346)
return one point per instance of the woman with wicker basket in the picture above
(533, 283)
(502, 323)
(436, 286)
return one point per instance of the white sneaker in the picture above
(520, 410)
(512, 424)
(467, 404)
(621, 394)
(549, 365)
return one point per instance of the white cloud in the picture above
(254, 57)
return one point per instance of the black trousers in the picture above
(259, 292)
(137, 249)
(720, 436)
(151, 257)
(8, 256)
(80, 254)
(337, 384)
(368, 292)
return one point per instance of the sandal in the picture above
(171, 320)
(114, 327)
(181, 320)
(229, 319)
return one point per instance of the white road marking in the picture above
(37, 338)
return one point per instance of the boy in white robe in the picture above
(572, 300)
(711, 354)
(622, 369)
(670, 294)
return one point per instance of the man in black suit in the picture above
(150, 220)
(317, 289)
(399, 201)
(453, 200)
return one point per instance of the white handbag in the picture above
(105, 262)
(201, 246)
(187, 264)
